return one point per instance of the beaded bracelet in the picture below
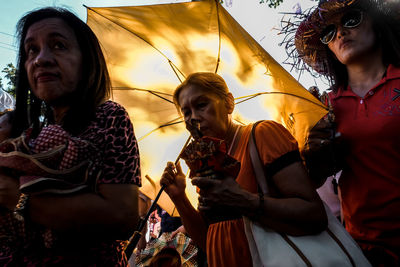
(20, 208)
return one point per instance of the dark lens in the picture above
(328, 34)
(352, 19)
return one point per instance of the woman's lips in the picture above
(344, 43)
(46, 77)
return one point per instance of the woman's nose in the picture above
(44, 58)
(194, 116)
(195, 123)
(193, 126)
(341, 31)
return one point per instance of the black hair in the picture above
(386, 25)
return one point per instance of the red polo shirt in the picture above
(370, 184)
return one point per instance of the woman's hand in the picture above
(9, 191)
(219, 191)
(180, 229)
(323, 152)
(320, 136)
(174, 180)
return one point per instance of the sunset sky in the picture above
(258, 19)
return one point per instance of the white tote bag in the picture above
(269, 248)
(332, 247)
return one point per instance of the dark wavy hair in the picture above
(302, 31)
(93, 89)
(386, 26)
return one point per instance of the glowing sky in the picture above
(258, 19)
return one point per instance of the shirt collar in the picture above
(392, 72)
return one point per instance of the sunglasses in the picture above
(349, 20)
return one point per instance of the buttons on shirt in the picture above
(362, 101)
(371, 92)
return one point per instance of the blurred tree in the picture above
(10, 74)
(271, 3)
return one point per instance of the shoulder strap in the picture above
(262, 185)
(256, 161)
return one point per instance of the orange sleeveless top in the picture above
(226, 241)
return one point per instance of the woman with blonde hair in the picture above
(293, 207)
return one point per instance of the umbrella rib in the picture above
(173, 66)
(219, 37)
(246, 98)
(172, 122)
(176, 74)
(139, 89)
(284, 93)
(155, 93)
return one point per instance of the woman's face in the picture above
(353, 44)
(208, 109)
(54, 60)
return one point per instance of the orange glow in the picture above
(149, 47)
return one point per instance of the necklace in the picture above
(233, 140)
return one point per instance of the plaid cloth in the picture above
(181, 242)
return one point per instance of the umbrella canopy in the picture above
(150, 49)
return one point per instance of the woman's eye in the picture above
(201, 104)
(30, 50)
(185, 113)
(59, 45)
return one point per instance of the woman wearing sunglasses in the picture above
(355, 44)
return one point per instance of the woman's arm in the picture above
(294, 206)
(297, 211)
(174, 180)
(112, 212)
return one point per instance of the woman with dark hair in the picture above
(292, 207)
(94, 84)
(356, 45)
(64, 126)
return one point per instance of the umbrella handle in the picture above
(134, 239)
(132, 243)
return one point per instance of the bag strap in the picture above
(262, 185)
(256, 161)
